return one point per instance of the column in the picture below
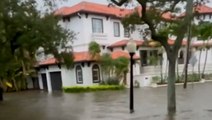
(48, 81)
(40, 81)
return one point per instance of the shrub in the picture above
(156, 79)
(193, 77)
(208, 76)
(110, 81)
(77, 89)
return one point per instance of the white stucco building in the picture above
(102, 23)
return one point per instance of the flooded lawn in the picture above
(194, 103)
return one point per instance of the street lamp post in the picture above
(131, 47)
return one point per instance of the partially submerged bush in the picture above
(110, 81)
(76, 89)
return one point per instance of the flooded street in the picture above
(194, 103)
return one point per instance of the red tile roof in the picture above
(85, 56)
(200, 9)
(119, 12)
(119, 53)
(93, 8)
(48, 61)
(171, 42)
(122, 43)
(203, 9)
(78, 57)
(202, 43)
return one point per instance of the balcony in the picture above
(99, 36)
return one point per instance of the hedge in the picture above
(76, 89)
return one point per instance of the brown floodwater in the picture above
(193, 103)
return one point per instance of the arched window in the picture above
(96, 74)
(79, 76)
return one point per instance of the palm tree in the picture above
(121, 68)
(94, 49)
(107, 64)
(206, 57)
(204, 33)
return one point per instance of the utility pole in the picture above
(187, 54)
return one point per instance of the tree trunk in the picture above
(205, 62)
(161, 74)
(187, 56)
(199, 71)
(177, 78)
(125, 78)
(15, 84)
(171, 85)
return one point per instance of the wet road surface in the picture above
(194, 103)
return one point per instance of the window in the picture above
(97, 25)
(116, 29)
(79, 76)
(181, 57)
(149, 57)
(96, 74)
(126, 32)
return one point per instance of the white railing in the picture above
(99, 36)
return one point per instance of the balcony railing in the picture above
(99, 36)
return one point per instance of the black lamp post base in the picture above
(132, 111)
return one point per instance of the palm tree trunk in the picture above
(187, 55)
(199, 71)
(15, 84)
(205, 62)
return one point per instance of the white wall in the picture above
(83, 27)
(68, 75)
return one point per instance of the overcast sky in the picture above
(73, 2)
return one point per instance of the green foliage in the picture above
(153, 60)
(110, 81)
(156, 79)
(121, 66)
(133, 19)
(23, 31)
(107, 63)
(118, 66)
(94, 48)
(193, 77)
(204, 30)
(77, 89)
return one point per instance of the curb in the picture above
(177, 84)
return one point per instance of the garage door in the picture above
(44, 80)
(56, 81)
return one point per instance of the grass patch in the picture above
(77, 89)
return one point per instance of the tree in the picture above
(204, 33)
(121, 68)
(94, 49)
(23, 31)
(160, 28)
(107, 64)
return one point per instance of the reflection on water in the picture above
(170, 116)
(150, 104)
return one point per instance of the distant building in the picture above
(102, 23)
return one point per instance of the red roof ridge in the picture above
(121, 53)
(124, 42)
(91, 7)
